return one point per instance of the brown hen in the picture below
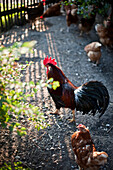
(33, 13)
(93, 51)
(87, 23)
(54, 10)
(71, 15)
(86, 155)
(105, 34)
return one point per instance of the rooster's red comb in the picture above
(48, 60)
(41, 17)
(44, 2)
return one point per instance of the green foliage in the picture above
(16, 166)
(14, 94)
(53, 84)
(101, 6)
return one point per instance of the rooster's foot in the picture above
(80, 168)
(56, 112)
(72, 120)
(81, 34)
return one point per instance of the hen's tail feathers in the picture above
(100, 158)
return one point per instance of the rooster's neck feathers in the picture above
(57, 74)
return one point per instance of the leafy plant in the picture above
(16, 166)
(101, 6)
(83, 6)
(14, 94)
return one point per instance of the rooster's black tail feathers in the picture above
(92, 96)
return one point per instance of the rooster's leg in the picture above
(73, 120)
(80, 168)
(56, 112)
(97, 62)
(68, 29)
(73, 111)
(81, 33)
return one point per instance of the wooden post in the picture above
(5, 15)
(17, 11)
(1, 24)
(14, 8)
(21, 13)
(7, 8)
(24, 11)
(11, 7)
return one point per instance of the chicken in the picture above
(93, 51)
(87, 23)
(33, 13)
(51, 1)
(105, 34)
(86, 155)
(71, 15)
(108, 22)
(91, 96)
(54, 10)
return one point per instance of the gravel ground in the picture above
(50, 148)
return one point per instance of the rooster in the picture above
(91, 96)
(86, 155)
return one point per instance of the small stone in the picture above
(17, 157)
(51, 148)
(40, 166)
(53, 155)
(34, 140)
(72, 167)
(62, 29)
(107, 125)
(43, 163)
(105, 129)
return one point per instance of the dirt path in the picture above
(50, 148)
